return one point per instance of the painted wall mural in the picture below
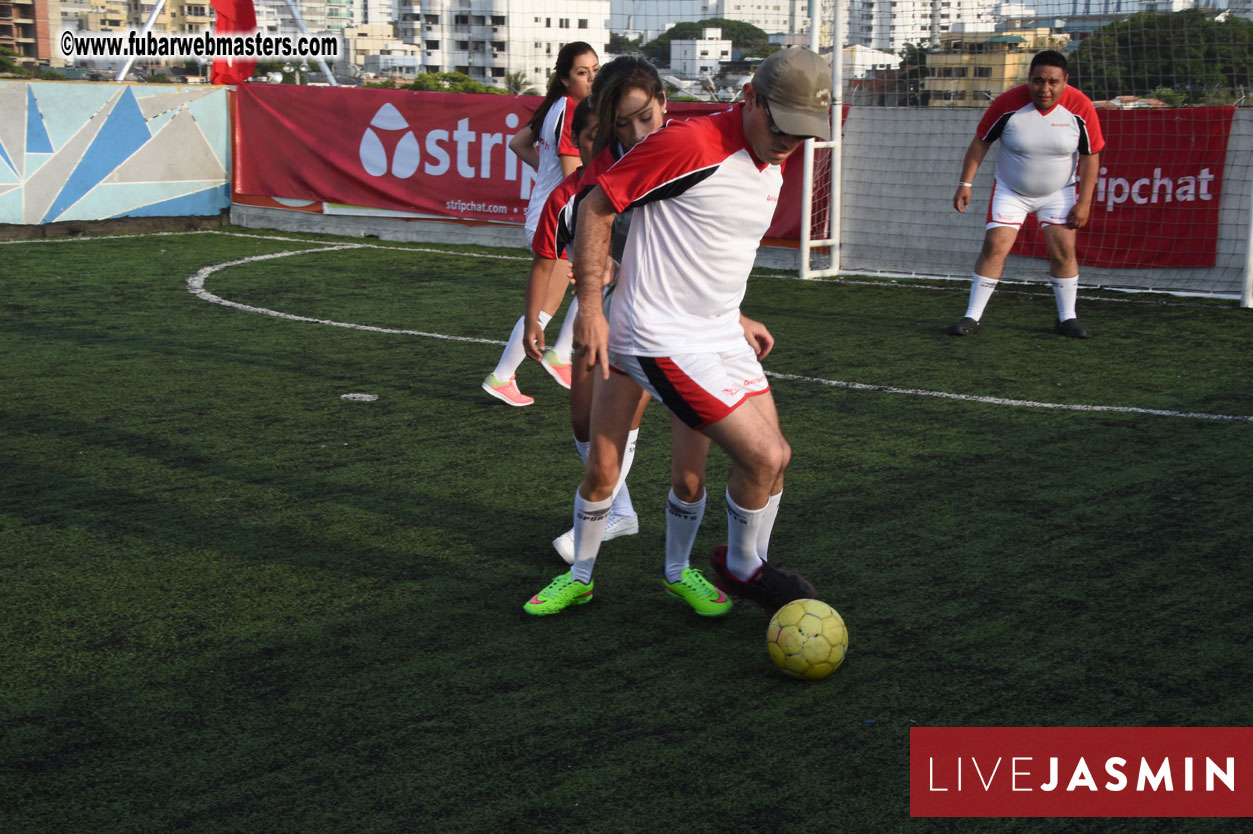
(99, 151)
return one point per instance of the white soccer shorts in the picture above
(1009, 208)
(698, 388)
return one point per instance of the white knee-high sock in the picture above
(1066, 293)
(980, 292)
(767, 525)
(682, 525)
(513, 354)
(589, 529)
(581, 446)
(565, 339)
(622, 495)
(743, 528)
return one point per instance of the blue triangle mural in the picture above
(5, 157)
(123, 133)
(37, 140)
(203, 203)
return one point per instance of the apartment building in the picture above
(650, 18)
(970, 69)
(488, 39)
(28, 29)
(700, 57)
(376, 51)
(888, 25)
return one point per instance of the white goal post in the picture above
(828, 239)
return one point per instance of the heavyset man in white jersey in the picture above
(704, 192)
(1048, 164)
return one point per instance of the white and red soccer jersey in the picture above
(702, 203)
(1040, 150)
(554, 142)
(552, 233)
(555, 231)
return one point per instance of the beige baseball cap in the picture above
(797, 84)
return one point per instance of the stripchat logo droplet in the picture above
(406, 154)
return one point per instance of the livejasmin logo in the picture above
(1021, 769)
(1080, 772)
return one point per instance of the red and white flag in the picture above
(233, 16)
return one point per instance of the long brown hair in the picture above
(613, 81)
(556, 89)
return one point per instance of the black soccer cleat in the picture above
(771, 587)
(1073, 328)
(966, 327)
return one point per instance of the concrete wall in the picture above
(80, 151)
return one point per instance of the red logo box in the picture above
(1081, 772)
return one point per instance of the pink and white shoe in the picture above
(558, 370)
(507, 391)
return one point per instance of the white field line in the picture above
(919, 392)
(93, 238)
(963, 285)
(196, 285)
(889, 281)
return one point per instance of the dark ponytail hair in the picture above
(556, 89)
(613, 81)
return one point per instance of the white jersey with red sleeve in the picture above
(702, 202)
(1040, 149)
(554, 142)
(552, 233)
(555, 232)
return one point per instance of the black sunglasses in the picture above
(774, 128)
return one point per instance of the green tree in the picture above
(1167, 96)
(913, 72)
(743, 36)
(1199, 58)
(449, 82)
(620, 44)
(8, 65)
(517, 84)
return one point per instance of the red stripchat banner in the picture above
(443, 154)
(1081, 771)
(1157, 192)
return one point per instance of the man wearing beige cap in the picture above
(704, 192)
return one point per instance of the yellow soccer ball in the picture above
(807, 639)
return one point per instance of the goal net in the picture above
(1174, 98)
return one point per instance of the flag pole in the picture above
(304, 30)
(156, 10)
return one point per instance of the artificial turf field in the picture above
(235, 602)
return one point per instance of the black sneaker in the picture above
(1073, 328)
(771, 587)
(966, 327)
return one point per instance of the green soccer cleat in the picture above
(700, 593)
(560, 594)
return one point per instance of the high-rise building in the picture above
(487, 39)
(28, 29)
(650, 18)
(889, 25)
(312, 12)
